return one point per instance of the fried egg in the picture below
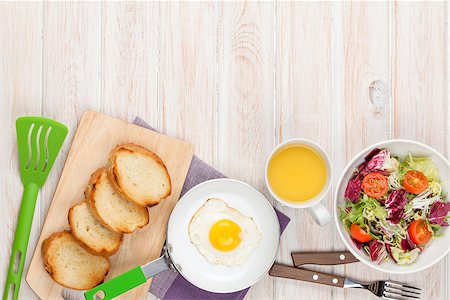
(222, 234)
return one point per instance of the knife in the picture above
(323, 258)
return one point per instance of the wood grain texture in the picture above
(246, 62)
(130, 61)
(20, 94)
(233, 79)
(420, 93)
(360, 58)
(303, 109)
(71, 78)
(96, 135)
(188, 74)
(70, 70)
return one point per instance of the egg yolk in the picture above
(224, 235)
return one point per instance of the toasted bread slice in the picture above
(70, 265)
(96, 238)
(110, 209)
(138, 175)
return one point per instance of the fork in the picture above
(385, 289)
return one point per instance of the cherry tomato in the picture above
(418, 232)
(359, 234)
(415, 182)
(375, 185)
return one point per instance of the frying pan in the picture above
(182, 256)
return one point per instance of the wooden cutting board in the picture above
(96, 135)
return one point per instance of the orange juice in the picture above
(297, 173)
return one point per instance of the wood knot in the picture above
(378, 95)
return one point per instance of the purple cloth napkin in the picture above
(170, 285)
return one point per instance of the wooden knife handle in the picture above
(279, 270)
(323, 258)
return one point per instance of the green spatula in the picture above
(38, 141)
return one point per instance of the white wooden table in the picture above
(233, 79)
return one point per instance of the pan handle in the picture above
(127, 281)
(117, 286)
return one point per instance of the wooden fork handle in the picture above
(323, 258)
(279, 270)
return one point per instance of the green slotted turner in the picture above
(38, 141)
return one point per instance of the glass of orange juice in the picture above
(298, 174)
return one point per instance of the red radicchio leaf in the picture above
(362, 168)
(438, 212)
(353, 190)
(357, 244)
(396, 204)
(407, 244)
(377, 160)
(375, 247)
(388, 250)
(372, 154)
(373, 161)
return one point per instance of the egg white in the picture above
(206, 216)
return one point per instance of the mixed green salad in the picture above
(394, 208)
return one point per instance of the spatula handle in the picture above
(118, 285)
(21, 238)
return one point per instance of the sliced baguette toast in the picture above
(110, 209)
(91, 234)
(138, 175)
(70, 265)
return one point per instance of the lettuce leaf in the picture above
(424, 165)
(404, 257)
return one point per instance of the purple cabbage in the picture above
(438, 213)
(353, 190)
(407, 244)
(396, 204)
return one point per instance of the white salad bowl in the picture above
(437, 249)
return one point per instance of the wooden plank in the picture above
(303, 109)
(246, 61)
(71, 65)
(188, 74)
(129, 61)
(447, 275)
(20, 94)
(96, 135)
(361, 72)
(420, 93)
